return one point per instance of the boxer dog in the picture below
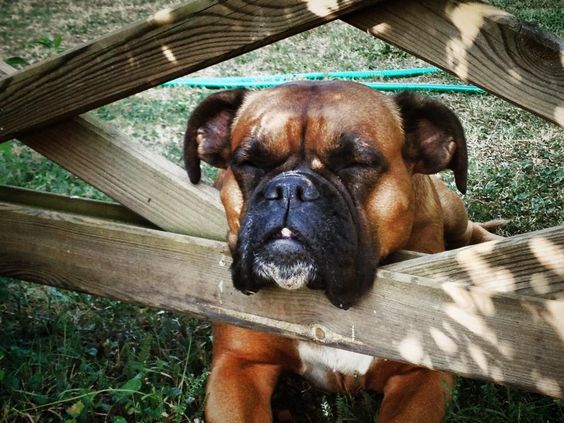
(321, 182)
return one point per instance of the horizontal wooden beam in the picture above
(466, 330)
(488, 47)
(146, 183)
(169, 44)
(74, 205)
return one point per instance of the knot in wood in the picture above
(319, 333)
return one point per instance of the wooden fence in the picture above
(493, 311)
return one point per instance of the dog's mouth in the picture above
(285, 259)
(284, 239)
(299, 231)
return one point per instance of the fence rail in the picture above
(452, 325)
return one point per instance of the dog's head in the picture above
(318, 178)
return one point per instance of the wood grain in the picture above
(480, 44)
(169, 44)
(467, 330)
(121, 167)
(128, 172)
(75, 205)
(520, 264)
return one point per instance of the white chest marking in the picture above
(317, 360)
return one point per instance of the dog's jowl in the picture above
(321, 181)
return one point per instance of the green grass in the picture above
(73, 357)
(68, 356)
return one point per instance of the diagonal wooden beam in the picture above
(141, 180)
(504, 266)
(146, 183)
(466, 330)
(169, 44)
(488, 47)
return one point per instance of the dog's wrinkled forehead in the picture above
(314, 115)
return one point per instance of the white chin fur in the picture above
(294, 276)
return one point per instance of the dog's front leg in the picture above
(239, 391)
(411, 394)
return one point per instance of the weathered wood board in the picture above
(127, 171)
(169, 44)
(452, 326)
(479, 43)
(141, 180)
(500, 267)
(75, 205)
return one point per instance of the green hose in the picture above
(273, 80)
(441, 88)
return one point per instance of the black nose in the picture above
(291, 186)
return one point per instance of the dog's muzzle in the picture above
(298, 230)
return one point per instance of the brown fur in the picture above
(401, 207)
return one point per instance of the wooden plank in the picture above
(504, 266)
(124, 169)
(169, 44)
(141, 180)
(480, 44)
(75, 205)
(467, 330)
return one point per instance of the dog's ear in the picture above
(208, 134)
(434, 137)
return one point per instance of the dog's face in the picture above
(318, 180)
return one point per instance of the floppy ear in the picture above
(434, 137)
(208, 134)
